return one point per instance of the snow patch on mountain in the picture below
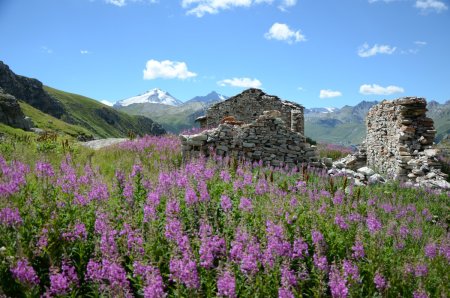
(152, 96)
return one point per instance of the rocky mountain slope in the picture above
(81, 114)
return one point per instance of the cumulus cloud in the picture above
(327, 93)
(367, 89)
(201, 7)
(431, 5)
(84, 52)
(167, 69)
(108, 103)
(366, 51)
(241, 82)
(282, 32)
(420, 43)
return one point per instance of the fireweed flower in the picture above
(43, 169)
(111, 276)
(226, 284)
(337, 283)
(340, 222)
(245, 251)
(288, 277)
(190, 196)
(431, 250)
(285, 293)
(62, 282)
(172, 208)
(380, 282)
(320, 262)
(211, 246)
(10, 217)
(203, 191)
(373, 224)
(184, 270)
(153, 282)
(350, 270)
(420, 294)
(245, 205)
(25, 273)
(358, 250)
(300, 248)
(225, 203)
(317, 237)
(99, 191)
(421, 270)
(77, 232)
(277, 245)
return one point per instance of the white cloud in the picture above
(431, 5)
(46, 50)
(420, 43)
(387, 1)
(201, 7)
(329, 93)
(282, 32)
(84, 52)
(366, 51)
(108, 103)
(119, 3)
(167, 69)
(367, 89)
(241, 82)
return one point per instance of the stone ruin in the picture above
(249, 105)
(257, 127)
(398, 145)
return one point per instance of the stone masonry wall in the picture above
(267, 139)
(250, 104)
(399, 139)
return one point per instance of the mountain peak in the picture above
(209, 98)
(154, 95)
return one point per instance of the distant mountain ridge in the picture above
(174, 118)
(346, 125)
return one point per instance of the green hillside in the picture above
(173, 118)
(48, 122)
(101, 120)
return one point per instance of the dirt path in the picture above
(98, 144)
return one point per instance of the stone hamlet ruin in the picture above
(398, 145)
(257, 126)
(254, 126)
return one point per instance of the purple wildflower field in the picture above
(135, 220)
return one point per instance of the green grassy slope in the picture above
(101, 120)
(48, 122)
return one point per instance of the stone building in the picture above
(267, 139)
(399, 145)
(400, 138)
(249, 105)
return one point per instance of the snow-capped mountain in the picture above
(211, 97)
(152, 96)
(321, 110)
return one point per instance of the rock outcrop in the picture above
(267, 139)
(11, 114)
(30, 91)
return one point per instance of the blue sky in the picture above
(314, 52)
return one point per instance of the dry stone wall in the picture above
(398, 145)
(250, 104)
(400, 138)
(267, 138)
